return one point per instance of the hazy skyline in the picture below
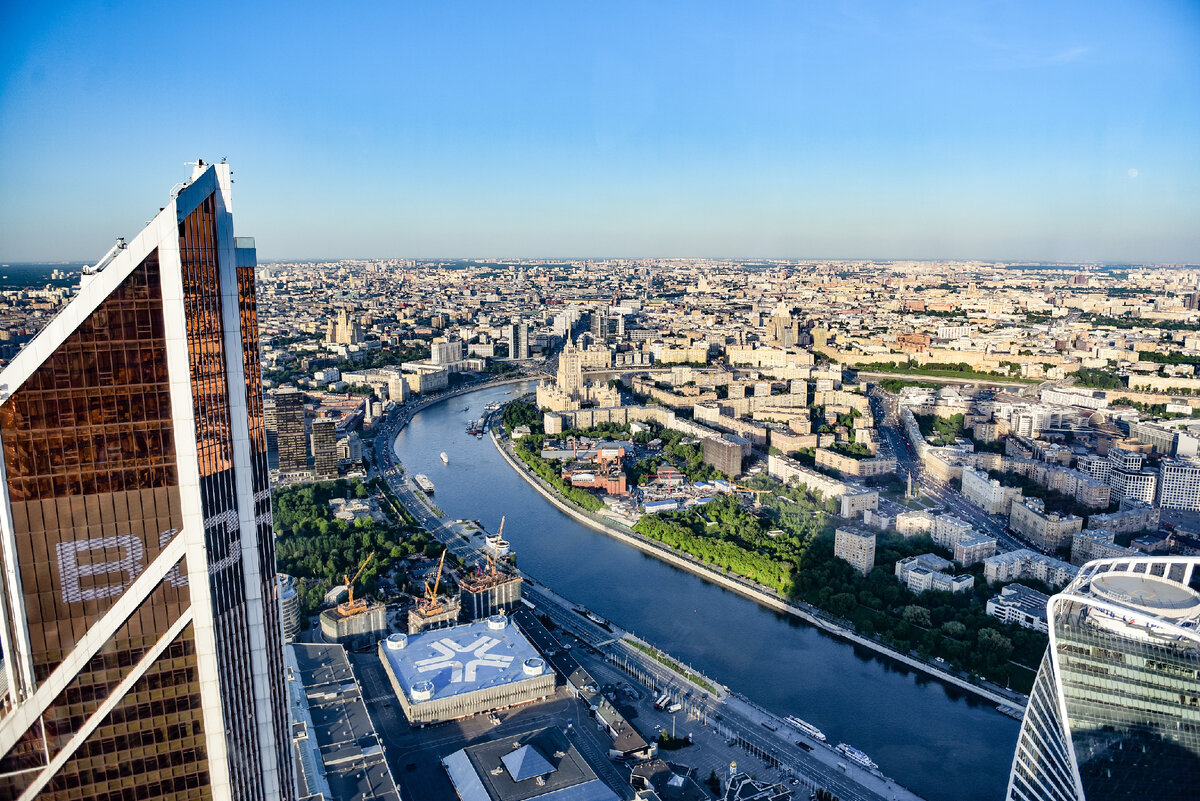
(846, 130)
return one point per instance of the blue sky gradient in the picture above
(994, 130)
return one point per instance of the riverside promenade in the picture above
(761, 595)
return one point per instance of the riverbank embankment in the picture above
(757, 593)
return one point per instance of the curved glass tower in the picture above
(1115, 710)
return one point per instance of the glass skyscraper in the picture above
(1115, 709)
(139, 612)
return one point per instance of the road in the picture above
(734, 716)
(894, 442)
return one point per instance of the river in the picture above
(936, 740)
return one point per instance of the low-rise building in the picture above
(1024, 563)
(1022, 605)
(931, 572)
(974, 548)
(855, 546)
(1092, 544)
(338, 752)
(456, 672)
(541, 763)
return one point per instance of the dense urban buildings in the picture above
(1115, 710)
(142, 639)
(977, 424)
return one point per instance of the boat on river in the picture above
(854, 755)
(445, 458)
(805, 727)
(424, 483)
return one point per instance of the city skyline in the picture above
(853, 131)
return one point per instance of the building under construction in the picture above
(433, 611)
(357, 623)
(487, 591)
(358, 628)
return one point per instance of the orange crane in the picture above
(351, 606)
(756, 493)
(431, 604)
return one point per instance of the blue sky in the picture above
(995, 130)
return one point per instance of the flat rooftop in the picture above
(463, 659)
(351, 753)
(1149, 593)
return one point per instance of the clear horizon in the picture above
(852, 131)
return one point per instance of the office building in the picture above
(1180, 484)
(142, 636)
(1129, 479)
(289, 431)
(1115, 708)
(324, 448)
(855, 546)
(1019, 604)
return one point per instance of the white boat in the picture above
(445, 458)
(424, 483)
(854, 755)
(805, 727)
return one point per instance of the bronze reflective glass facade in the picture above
(92, 483)
(207, 355)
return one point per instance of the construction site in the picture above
(487, 590)
(356, 622)
(432, 610)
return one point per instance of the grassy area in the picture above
(658, 656)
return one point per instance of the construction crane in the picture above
(431, 604)
(756, 493)
(489, 567)
(351, 606)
